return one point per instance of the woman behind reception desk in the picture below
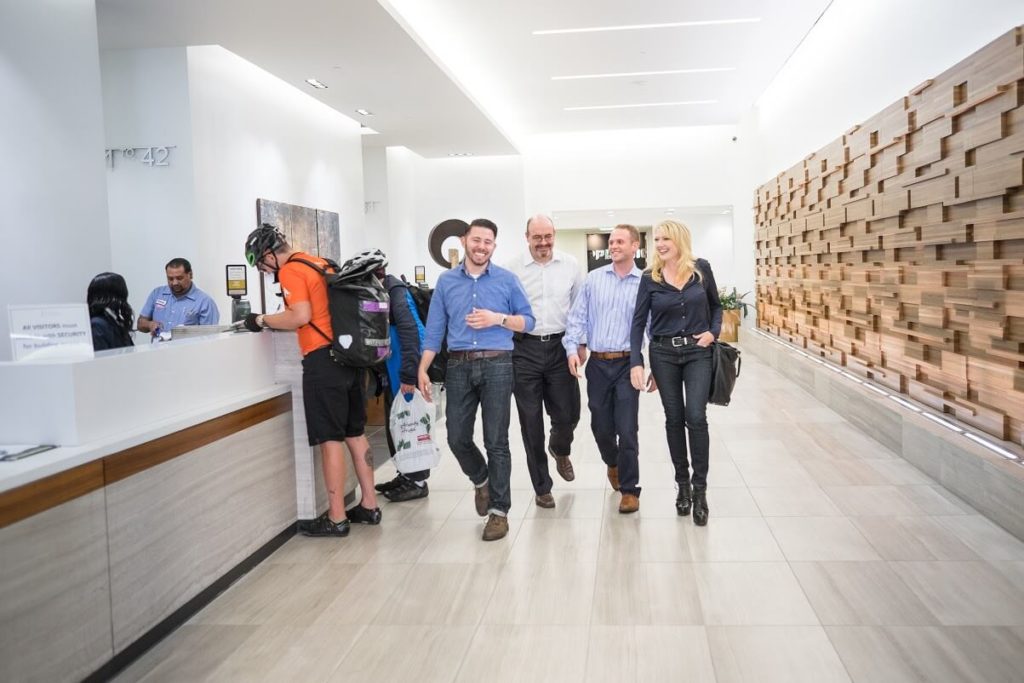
(110, 314)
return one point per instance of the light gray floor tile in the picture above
(572, 504)
(913, 538)
(794, 501)
(860, 593)
(441, 594)
(638, 539)
(751, 593)
(904, 654)
(659, 593)
(820, 539)
(542, 593)
(526, 654)
(864, 501)
(772, 470)
(649, 653)
(985, 537)
(459, 540)
(852, 472)
(405, 653)
(191, 653)
(964, 593)
(736, 539)
(899, 472)
(774, 654)
(574, 540)
(276, 653)
(935, 500)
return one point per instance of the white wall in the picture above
(52, 184)
(862, 56)
(377, 214)
(409, 247)
(152, 208)
(254, 136)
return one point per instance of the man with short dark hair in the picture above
(480, 305)
(601, 319)
(552, 280)
(333, 395)
(180, 302)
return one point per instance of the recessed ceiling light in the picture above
(645, 73)
(611, 213)
(316, 84)
(460, 154)
(669, 212)
(635, 106)
(364, 112)
(637, 27)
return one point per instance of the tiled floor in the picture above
(827, 558)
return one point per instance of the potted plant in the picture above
(732, 304)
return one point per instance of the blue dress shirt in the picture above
(194, 307)
(455, 297)
(603, 313)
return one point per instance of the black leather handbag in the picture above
(725, 368)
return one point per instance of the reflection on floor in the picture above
(827, 558)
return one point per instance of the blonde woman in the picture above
(679, 294)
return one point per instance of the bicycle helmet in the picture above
(261, 240)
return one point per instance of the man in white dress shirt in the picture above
(552, 279)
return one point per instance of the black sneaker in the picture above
(324, 526)
(361, 515)
(410, 490)
(395, 483)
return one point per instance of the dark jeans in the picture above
(614, 408)
(485, 383)
(389, 399)
(543, 382)
(675, 368)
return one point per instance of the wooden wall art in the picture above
(898, 249)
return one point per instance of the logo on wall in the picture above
(597, 251)
(444, 238)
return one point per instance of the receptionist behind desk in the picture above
(179, 302)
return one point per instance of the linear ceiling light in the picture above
(645, 73)
(638, 27)
(316, 84)
(647, 104)
(364, 112)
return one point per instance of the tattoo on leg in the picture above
(369, 457)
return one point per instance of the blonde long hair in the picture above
(679, 235)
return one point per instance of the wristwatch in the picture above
(260, 321)
(503, 319)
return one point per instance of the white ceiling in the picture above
(353, 46)
(490, 48)
(446, 76)
(607, 219)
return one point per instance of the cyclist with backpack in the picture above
(402, 369)
(333, 394)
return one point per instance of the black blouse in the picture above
(692, 310)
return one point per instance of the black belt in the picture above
(555, 336)
(475, 355)
(682, 340)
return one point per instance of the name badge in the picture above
(160, 303)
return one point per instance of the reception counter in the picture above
(175, 471)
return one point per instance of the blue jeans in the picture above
(676, 368)
(614, 418)
(485, 383)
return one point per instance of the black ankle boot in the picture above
(700, 506)
(684, 500)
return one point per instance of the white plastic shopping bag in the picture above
(412, 432)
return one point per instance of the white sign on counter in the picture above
(53, 331)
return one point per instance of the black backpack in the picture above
(358, 305)
(438, 369)
(725, 368)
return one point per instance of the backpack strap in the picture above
(323, 272)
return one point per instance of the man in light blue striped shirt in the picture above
(600, 319)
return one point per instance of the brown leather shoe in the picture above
(545, 500)
(496, 527)
(482, 499)
(563, 465)
(613, 477)
(629, 503)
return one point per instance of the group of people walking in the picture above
(528, 330)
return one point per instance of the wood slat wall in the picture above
(898, 249)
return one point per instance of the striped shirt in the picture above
(603, 312)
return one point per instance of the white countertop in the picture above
(35, 467)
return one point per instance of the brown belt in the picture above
(609, 355)
(476, 355)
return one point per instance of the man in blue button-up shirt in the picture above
(600, 319)
(180, 302)
(478, 305)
